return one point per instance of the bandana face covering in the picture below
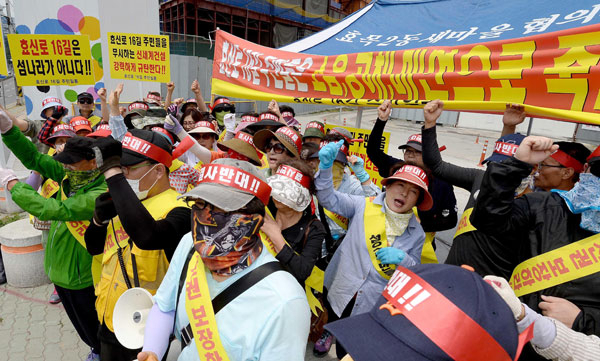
(338, 174)
(220, 116)
(227, 242)
(583, 198)
(80, 178)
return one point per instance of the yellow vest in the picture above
(151, 265)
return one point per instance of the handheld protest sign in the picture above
(139, 57)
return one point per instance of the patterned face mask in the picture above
(289, 192)
(583, 199)
(80, 178)
(227, 242)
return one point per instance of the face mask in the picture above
(583, 199)
(226, 242)
(59, 148)
(135, 185)
(80, 178)
(338, 174)
(220, 116)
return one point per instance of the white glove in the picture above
(501, 286)
(6, 123)
(229, 121)
(7, 175)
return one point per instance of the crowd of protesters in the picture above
(256, 237)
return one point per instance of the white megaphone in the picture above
(130, 316)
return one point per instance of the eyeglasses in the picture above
(411, 152)
(126, 170)
(85, 101)
(542, 165)
(278, 148)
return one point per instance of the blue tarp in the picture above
(396, 24)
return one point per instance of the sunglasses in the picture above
(205, 136)
(85, 101)
(278, 148)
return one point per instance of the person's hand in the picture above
(170, 87)
(195, 88)
(105, 209)
(102, 95)
(274, 107)
(122, 111)
(390, 255)
(559, 309)
(59, 112)
(432, 111)
(172, 124)
(501, 286)
(172, 109)
(229, 121)
(384, 110)
(8, 178)
(270, 227)
(535, 149)
(108, 153)
(113, 99)
(178, 101)
(514, 114)
(147, 356)
(6, 123)
(358, 167)
(328, 153)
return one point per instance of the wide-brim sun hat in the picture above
(417, 176)
(290, 139)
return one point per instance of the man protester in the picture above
(142, 212)
(66, 262)
(87, 109)
(561, 169)
(542, 228)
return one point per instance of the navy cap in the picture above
(505, 147)
(377, 335)
(76, 149)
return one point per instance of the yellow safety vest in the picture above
(151, 265)
(94, 119)
(428, 253)
(464, 225)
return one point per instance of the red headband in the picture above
(205, 124)
(60, 127)
(103, 127)
(415, 138)
(349, 140)
(344, 149)
(153, 96)
(249, 119)
(221, 101)
(595, 153)
(567, 161)
(293, 174)
(287, 115)
(138, 105)
(236, 178)
(81, 122)
(507, 149)
(411, 296)
(191, 100)
(147, 149)
(288, 132)
(268, 116)
(245, 137)
(316, 125)
(165, 132)
(50, 100)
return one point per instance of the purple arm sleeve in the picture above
(34, 180)
(158, 330)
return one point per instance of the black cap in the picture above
(85, 95)
(129, 157)
(76, 149)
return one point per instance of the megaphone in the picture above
(130, 316)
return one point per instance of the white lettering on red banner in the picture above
(508, 149)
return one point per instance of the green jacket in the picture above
(67, 263)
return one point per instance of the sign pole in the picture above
(359, 113)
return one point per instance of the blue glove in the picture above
(390, 255)
(359, 169)
(328, 153)
(172, 124)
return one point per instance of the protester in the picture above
(561, 170)
(269, 320)
(241, 147)
(81, 125)
(487, 254)
(153, 98)
(205, 134)
(314, 132)
(247, 119)
(220, 108)
(194, 103)
(454, 315)
(279, 145)
(86, 108)
(52, 120)
(285, 114)
(551, 339)
(66, 262)
(382, 232)
(149, 214)
(102, 131)
(266, 120)
(540, 222)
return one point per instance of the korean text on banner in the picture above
(360, 149)
(51, 59)
(139, 57)
(555, 75)
(3, 66)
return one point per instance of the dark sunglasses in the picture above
(205, 136)
(85, 101)
(278, 148)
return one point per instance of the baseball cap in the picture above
(230, 184)
(85, 95)
(102, 131)
(414, 141)
(345, 133)
(243, 144)
(505, 147)
(80, 123)
(61, 130)
(314, 129)
(469, 304)
(286, 135)
(417, 176)
(204, 126)
(49, 102)
(76, 149)
(153, 116)
(143, 145)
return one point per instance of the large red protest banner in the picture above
(555, 75)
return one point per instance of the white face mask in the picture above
(135, 185)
